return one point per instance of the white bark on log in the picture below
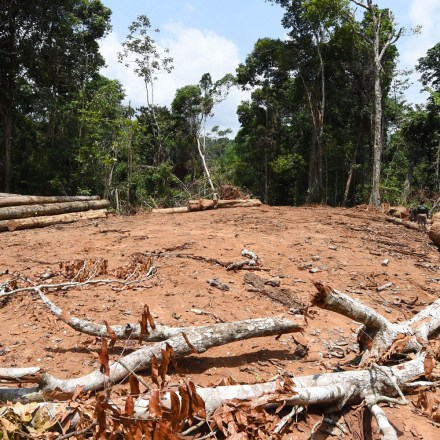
(201, 339)
(389, 433)
(25, 211)
(16, 200)
(17, 373)
(330, 299)
(49, 220)
(133, 331)
(427, 321)
(382, 332)
(338, 389)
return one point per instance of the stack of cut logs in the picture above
(24, 212)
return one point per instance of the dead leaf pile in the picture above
(82, 270)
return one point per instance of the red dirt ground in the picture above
(346, 246)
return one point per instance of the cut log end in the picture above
(320, 297)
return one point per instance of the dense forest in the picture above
(327, 121)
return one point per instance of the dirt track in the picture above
(345, 248)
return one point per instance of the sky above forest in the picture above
(215, 36)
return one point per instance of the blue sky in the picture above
(214, 36)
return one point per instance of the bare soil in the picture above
(353, 250)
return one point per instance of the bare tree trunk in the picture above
(388, 37)
(7, 146)
(378, 141)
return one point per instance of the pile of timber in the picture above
(24, 212)
(204, 204)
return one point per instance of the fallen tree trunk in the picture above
(334, 390)
(203, 204)
(40, 222)
(25, 211)
(169, 210)
(16, 200)
(131, 331)
(407, 224)
(372, 385)
(201, 339)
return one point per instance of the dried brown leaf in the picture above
(154, 370)
(164, 366)
(172, 357)
(197, 403)
(429, 365)
(154, 407)
(101, 418)
(134, 385)
(112, 334)
(129, 406)
(104, 359)
(185, 403)
(193, 349)
(143, 324)
(149, 317)
(76, 392)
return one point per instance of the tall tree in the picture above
(149, 61)
(44, 46)
(383, 34)
(311, 24)
(195, 104)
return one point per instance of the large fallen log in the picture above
(407, 224)
(332, 391)
(128, 331)
(204, 204)
(40, 222)
(169, 210)
(17, 200)
(200, 339)
(15, 212)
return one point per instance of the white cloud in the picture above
(424, 13)
(195, 52)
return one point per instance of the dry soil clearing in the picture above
(352, 250)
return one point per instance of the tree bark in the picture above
(9, 213)
(170, 210)
(18, 200)
(43, 221)
(202, 204)
(7, 146)
(201, 339)
(133, 331)
(379, 334)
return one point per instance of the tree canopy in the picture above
(326, 120)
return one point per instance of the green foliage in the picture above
(308, 119)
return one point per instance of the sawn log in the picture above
(202, 204)
(40, 222)
(16, 212)
(17, 200)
